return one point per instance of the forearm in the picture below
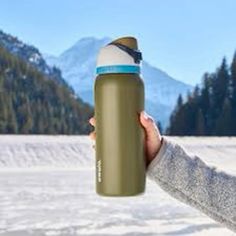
(191, 181)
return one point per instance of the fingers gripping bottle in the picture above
(119, 99)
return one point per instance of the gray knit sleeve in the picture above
(191, 181)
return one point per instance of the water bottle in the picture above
(119, 99)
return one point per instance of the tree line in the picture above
(210, 109)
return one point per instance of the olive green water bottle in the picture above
(119, 99)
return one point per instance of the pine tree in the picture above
(233, 90)
(12, 126)
(179, 101)
(178, 118)
(205, 102)
(221, 86)
(200, 124)
(3, 114)
(224, 121)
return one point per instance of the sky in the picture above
(184, 38)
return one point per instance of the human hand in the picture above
(153, 137)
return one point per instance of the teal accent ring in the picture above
(118, 69)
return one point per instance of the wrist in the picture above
(159, 154)
(156, 151)
(158, 147)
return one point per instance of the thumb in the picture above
(152, 136)
(151, 130)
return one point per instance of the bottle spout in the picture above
(128, 41)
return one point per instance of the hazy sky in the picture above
(182, 37)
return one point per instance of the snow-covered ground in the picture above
(47, 188)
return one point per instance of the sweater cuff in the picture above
(158, 158)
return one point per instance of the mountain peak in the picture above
(86, 44)
(91, 39)
(78, 65)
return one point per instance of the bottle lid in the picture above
(119, 56)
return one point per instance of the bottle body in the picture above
(120, 154)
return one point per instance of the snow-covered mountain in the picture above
(78, 65)
(78, 68)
